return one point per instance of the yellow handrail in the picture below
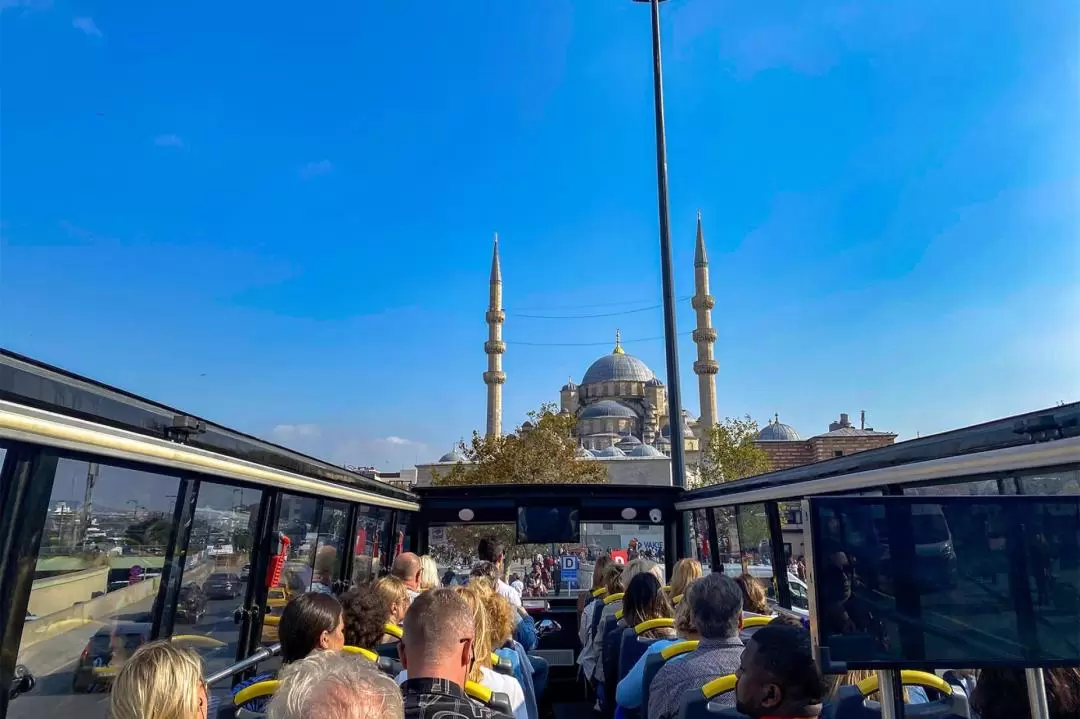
(271, 620)
(619, 614)
(256, 691)
(678, 648)
(599, 592)
(613, 598)
(394, 630)
(908, 677)
(676, 599)
(718, 686)
(755, 622)
(664, 622)
(365, 653)
(197, 639)
(478, 692)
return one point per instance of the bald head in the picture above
(438, 636)
(407, 568)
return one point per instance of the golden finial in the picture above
(618, 343)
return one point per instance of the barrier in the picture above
(100, 609)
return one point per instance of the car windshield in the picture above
(544, 570)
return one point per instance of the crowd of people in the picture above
(451, 636)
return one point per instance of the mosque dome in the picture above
(452, 456)
(645, 450)
(611, 451)
(583, 453)
(617, 367)
(654, 382)
(777, 431)
(569, 386)
(606, 408)
(628, 442)
(665, 431)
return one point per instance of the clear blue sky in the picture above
(280, 217)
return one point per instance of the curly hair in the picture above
(613, 579)
(500, 614)
(366, 612)
(686, 571)
(481, 637)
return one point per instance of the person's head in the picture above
(684, 622)
(753, 594)
(159, 681)
(613, 579)
(407, 568)
(1002, 693)
(429, 573)
(790, 620)
(485, 570)
(778, 676)
(396, 596)
(366, 613)
(686, 571)
(325, 564)
(644, 600)
(343, 686)
(500, 615)
(598, 570)
(481, 645)
(639, 566)
(309, 622)
(491, 550)
(439, 634)
(716, 606)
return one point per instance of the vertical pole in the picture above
(892, 694)
(1036, 686)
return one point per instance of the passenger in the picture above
(613, 583)
(524, 627)
(1002, 693)
(438, 653)
(500, 617)
(323, 577)
(407, 568)
(645, 600)
(396, 595)
(365, 614)
(715, 605)
(778, 676)
(754, 598)
(160, 681)
(634, 568)
(586, 601)
(492, 550)
(630, 690)
(342, 686)
(429, 573)
(686, 571)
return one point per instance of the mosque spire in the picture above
(618, 343)
(494, 347)
(706, 366)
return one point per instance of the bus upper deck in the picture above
(124, 521)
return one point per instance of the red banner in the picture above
(361, 542)
(619, 556)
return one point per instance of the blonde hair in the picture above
(500, 615)
(640, 566)
(392, 590)
(429, 573)
(613, 579)
(684, 619)
(754, 598)
(481, 638)
(159, 681)
(686, 571)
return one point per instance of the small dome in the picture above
(569, 386)
(606, 408)
(628, 442)
(654, 382)
(665, 431)
(452, 456)
(528, 425)
(611, 451)
(645, 450)
(777, 431)
(583, 453)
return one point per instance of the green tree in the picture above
(730, 453)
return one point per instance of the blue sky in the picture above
(282, 220)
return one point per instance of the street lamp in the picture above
(671, 343)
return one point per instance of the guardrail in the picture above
(261, 655)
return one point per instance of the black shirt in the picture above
(442, 699)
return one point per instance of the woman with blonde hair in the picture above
(500, 623)
(429, 573)
(396, 596)
(754, 600)
(160, 681)
(686, 571)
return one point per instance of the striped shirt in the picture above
(712, 659)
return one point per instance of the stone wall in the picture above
(62, 591)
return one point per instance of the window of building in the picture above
(838, 453)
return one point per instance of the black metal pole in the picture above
(671, 337)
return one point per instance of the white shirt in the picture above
(501, 683)
(518, 585)
(509, 593)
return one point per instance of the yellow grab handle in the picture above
(645, 626)
(718, 686)
(394, 630)
(755, 622)
(365, 653)
(619, 614)
(676, 599)
(256, 691)
(908, 677)
(478, 692)
(678, 648)
(599, 592)
(271, 620)
(613, 598)
(197, 639)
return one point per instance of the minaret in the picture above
(706, 366)
(494, 347)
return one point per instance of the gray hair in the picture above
(715, 606)
(343, 686)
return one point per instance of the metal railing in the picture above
(261, 655)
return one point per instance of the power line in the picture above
(591, 316)
(592, 344)
(516, 310)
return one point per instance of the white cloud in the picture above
(169, 140)
(400, 441)
(350, 445)
(87, 25)
(313, 169)
(286, 432)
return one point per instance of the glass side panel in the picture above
(372, 530)
(330, 547)
(1067, 482)
(698, 522)
(95, 582)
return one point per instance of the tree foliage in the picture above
(730, 453)
(543, 453)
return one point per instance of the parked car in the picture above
(222, 586)
(245, 572)
(190, 604)
(106, 652)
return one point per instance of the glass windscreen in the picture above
(547, 569)
(970, 581)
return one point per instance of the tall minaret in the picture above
(706, 366)
(494, 347)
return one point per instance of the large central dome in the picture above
(617, 367)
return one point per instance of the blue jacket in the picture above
(519, 660)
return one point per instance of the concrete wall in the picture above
(58, 593)
(101, 609)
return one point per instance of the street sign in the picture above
(569, 574)
(570, 563)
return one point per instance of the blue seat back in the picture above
(851, 704)
(631, 649)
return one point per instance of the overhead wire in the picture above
(525, 315)
(593, 344)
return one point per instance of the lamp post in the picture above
(671, 337)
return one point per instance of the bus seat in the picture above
(599, 592)
(385, 664)
(697, 703)
(258, 690)
(619, 614)
(632, 646)
(852, 702)
(751, 624)
(492, 700)
(597, 615)
(611, 598)
(394, 630)
(502, 665)
(612, 638)
(676, 599)
(388, 650)
(656, 661)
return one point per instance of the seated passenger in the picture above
(437, 652)
(524, 626)
(686, 571)
(715, 605)
(342, 686)
(586, 601)
(500, 632)
(492, 550)
(613, 583)
(1002, 693)
(630, 690)
(365, 614)
(429, 573)
(396, 595)
(634, 568)
(778, 676)
(755, 601)
(309, 622)
(160, 680)
(407, 568)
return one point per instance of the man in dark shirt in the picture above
(437, 652)
(778, 678)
